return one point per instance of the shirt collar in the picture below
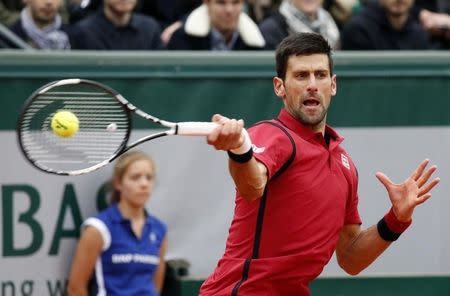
(219, 43)
(305, 132)
(117, 217)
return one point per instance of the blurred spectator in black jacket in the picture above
(218, 25)
(116, 27)
(385, 25)
(168, 13)
(434, 15)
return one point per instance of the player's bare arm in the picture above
(358, 248)
(250, 177)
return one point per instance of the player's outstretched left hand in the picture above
(414, 191)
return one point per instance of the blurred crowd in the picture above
(222, 24)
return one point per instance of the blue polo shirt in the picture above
(127, 263)
(96, 32)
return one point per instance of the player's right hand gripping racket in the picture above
(104, 127)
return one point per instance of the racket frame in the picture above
(180, 128)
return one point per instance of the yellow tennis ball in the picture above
(65, 124)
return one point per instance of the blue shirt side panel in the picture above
(129, 264)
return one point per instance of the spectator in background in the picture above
(341, 10)
(385, 25)
(218, 25)
(7, 16)
(40, 25)
(116, 27)
(434, 17)
(80, 9)
(166, 12)
(124, 228)
(169, 13)
(259, 10)
(297, 16)
(442, 6)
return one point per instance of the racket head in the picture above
(104, 127)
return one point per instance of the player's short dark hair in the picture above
(301, 44)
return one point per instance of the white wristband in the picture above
(246, 146)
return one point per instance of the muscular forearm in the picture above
(361, 251)
(250, 178)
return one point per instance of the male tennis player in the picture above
(296, 200)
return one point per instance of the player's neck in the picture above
(318, 128)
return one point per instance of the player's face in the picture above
(120, 6)
(308, 7)
(397, 7)
(224, 14)
(136, 184)
(307, 89)
(43, 11)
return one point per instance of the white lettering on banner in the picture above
(136, 258)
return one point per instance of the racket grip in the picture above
(195, 128)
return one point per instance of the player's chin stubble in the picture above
(311, 120)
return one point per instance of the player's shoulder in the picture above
(269, 126)
(270, 131)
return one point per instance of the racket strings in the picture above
(103, 128)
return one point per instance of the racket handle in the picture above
(205, 128)
(195, 128)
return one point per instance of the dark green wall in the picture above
(374, 89)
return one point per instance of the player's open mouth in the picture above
(311, 102)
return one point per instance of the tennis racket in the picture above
(104, 126)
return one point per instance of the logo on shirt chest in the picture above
(257, 149)
(153, 238)
(345, 162)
